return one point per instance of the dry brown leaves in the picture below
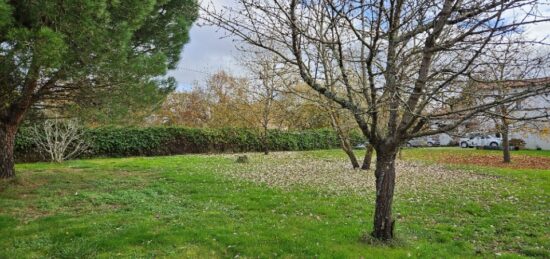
(518, 161)
(292, 169)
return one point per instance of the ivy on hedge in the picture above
(118, 142)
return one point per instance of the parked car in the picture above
(480, 140)
(423, 142)
(433, 141)
(361, 145)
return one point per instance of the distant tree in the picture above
(59, 52)
(228, 100)
(265, 84)
(299, 113)
(188, 108)
(510, 67)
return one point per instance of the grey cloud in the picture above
(206, 53)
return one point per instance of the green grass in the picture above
(180, 206)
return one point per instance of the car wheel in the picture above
(493, 144)
(430, 144)
(409, 145)
(464, 145)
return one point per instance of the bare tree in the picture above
(265, 71)
(509, 68)
(395, 63)
(60, 139)
(271, 77)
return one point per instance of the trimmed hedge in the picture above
(154, 141)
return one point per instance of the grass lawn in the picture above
(302, 204)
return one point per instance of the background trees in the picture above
(395, 65)
(190, 109)
(54, 53)
(254, 102)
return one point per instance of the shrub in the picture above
(60, 139)
(119, 142)
(517, 143)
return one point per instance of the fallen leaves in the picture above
(292, 170)
(518, 161)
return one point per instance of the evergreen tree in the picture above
(59, 52)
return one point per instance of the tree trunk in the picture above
(346, 146)
(343, 136)
(265, 141)
(368, 157)
(7, 143)
(505, 144)
(385, 183)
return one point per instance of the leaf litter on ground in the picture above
(287, 170)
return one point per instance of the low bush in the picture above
(517, 143)
(154, 141)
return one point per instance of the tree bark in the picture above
(505, 144)
(266, 149)
(368, 157)
(346, 146)
(385, 183)
(7, 143)
(265, 141)
(10, 119)
(343, 136)
(504, 131)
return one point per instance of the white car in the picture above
(361, 145)
(423, 142)
(481, 141)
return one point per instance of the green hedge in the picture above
(117, 142)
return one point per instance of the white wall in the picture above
(533, 140)
(532, 133)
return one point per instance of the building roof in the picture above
(519, 83)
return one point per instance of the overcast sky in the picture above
(208, 52)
